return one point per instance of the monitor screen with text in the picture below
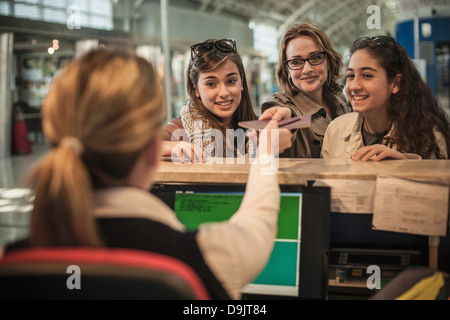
(282, 276)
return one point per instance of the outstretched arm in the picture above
(182, 151)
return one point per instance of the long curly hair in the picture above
(414, 112)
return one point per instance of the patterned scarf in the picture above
(200, 132)
(198, 129)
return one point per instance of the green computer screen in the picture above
(281, 274)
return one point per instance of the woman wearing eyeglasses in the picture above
(396, 116)
(307, 73)
(219, 99)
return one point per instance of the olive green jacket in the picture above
(307, 142)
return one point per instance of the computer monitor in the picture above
(298, 265)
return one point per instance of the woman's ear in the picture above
(396, 84)
(196, 92)
(147, 164)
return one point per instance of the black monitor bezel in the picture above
(315, 240)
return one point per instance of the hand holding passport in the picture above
(291, 123)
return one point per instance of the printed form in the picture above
(350, 196)
(410, 206)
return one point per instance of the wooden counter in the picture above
(299, 171)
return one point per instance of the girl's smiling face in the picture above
(220, 91)
(367, 86)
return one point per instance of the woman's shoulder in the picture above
(343, 105)
(441, 142)
(344, 122)
(345, 118)
(277, 99)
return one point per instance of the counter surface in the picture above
(299, 171)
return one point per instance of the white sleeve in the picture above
(442, 144)
(330, 141)
(326, 144)
(238, 250)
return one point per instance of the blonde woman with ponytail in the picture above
(103, 118)
(307, 75)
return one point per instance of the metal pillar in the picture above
(166, 52)
(416, 38)
(6, 62)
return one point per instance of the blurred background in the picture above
(38, 37)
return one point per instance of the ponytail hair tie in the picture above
(74, 143)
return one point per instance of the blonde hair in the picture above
(112, 104)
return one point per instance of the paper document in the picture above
(410, 206)
(350, 196)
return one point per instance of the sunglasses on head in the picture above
(224, 45)
(378, 40)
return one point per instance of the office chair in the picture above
(87, 273)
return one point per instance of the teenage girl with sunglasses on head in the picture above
(219, 99)
(395, 115)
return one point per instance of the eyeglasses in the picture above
(298, 63)
(378, 40)
(224, 45)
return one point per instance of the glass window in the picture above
(265, 39)
(4, 8)
(93, 14)
(30, 1)
(22, 10)
(100, 7)
(100, 22)
(54, 15)
(55, 3)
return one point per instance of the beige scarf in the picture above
(200, 132)
(198, 129)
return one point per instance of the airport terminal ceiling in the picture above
(343, 20)
(140, 25)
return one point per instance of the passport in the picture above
(291, 123)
